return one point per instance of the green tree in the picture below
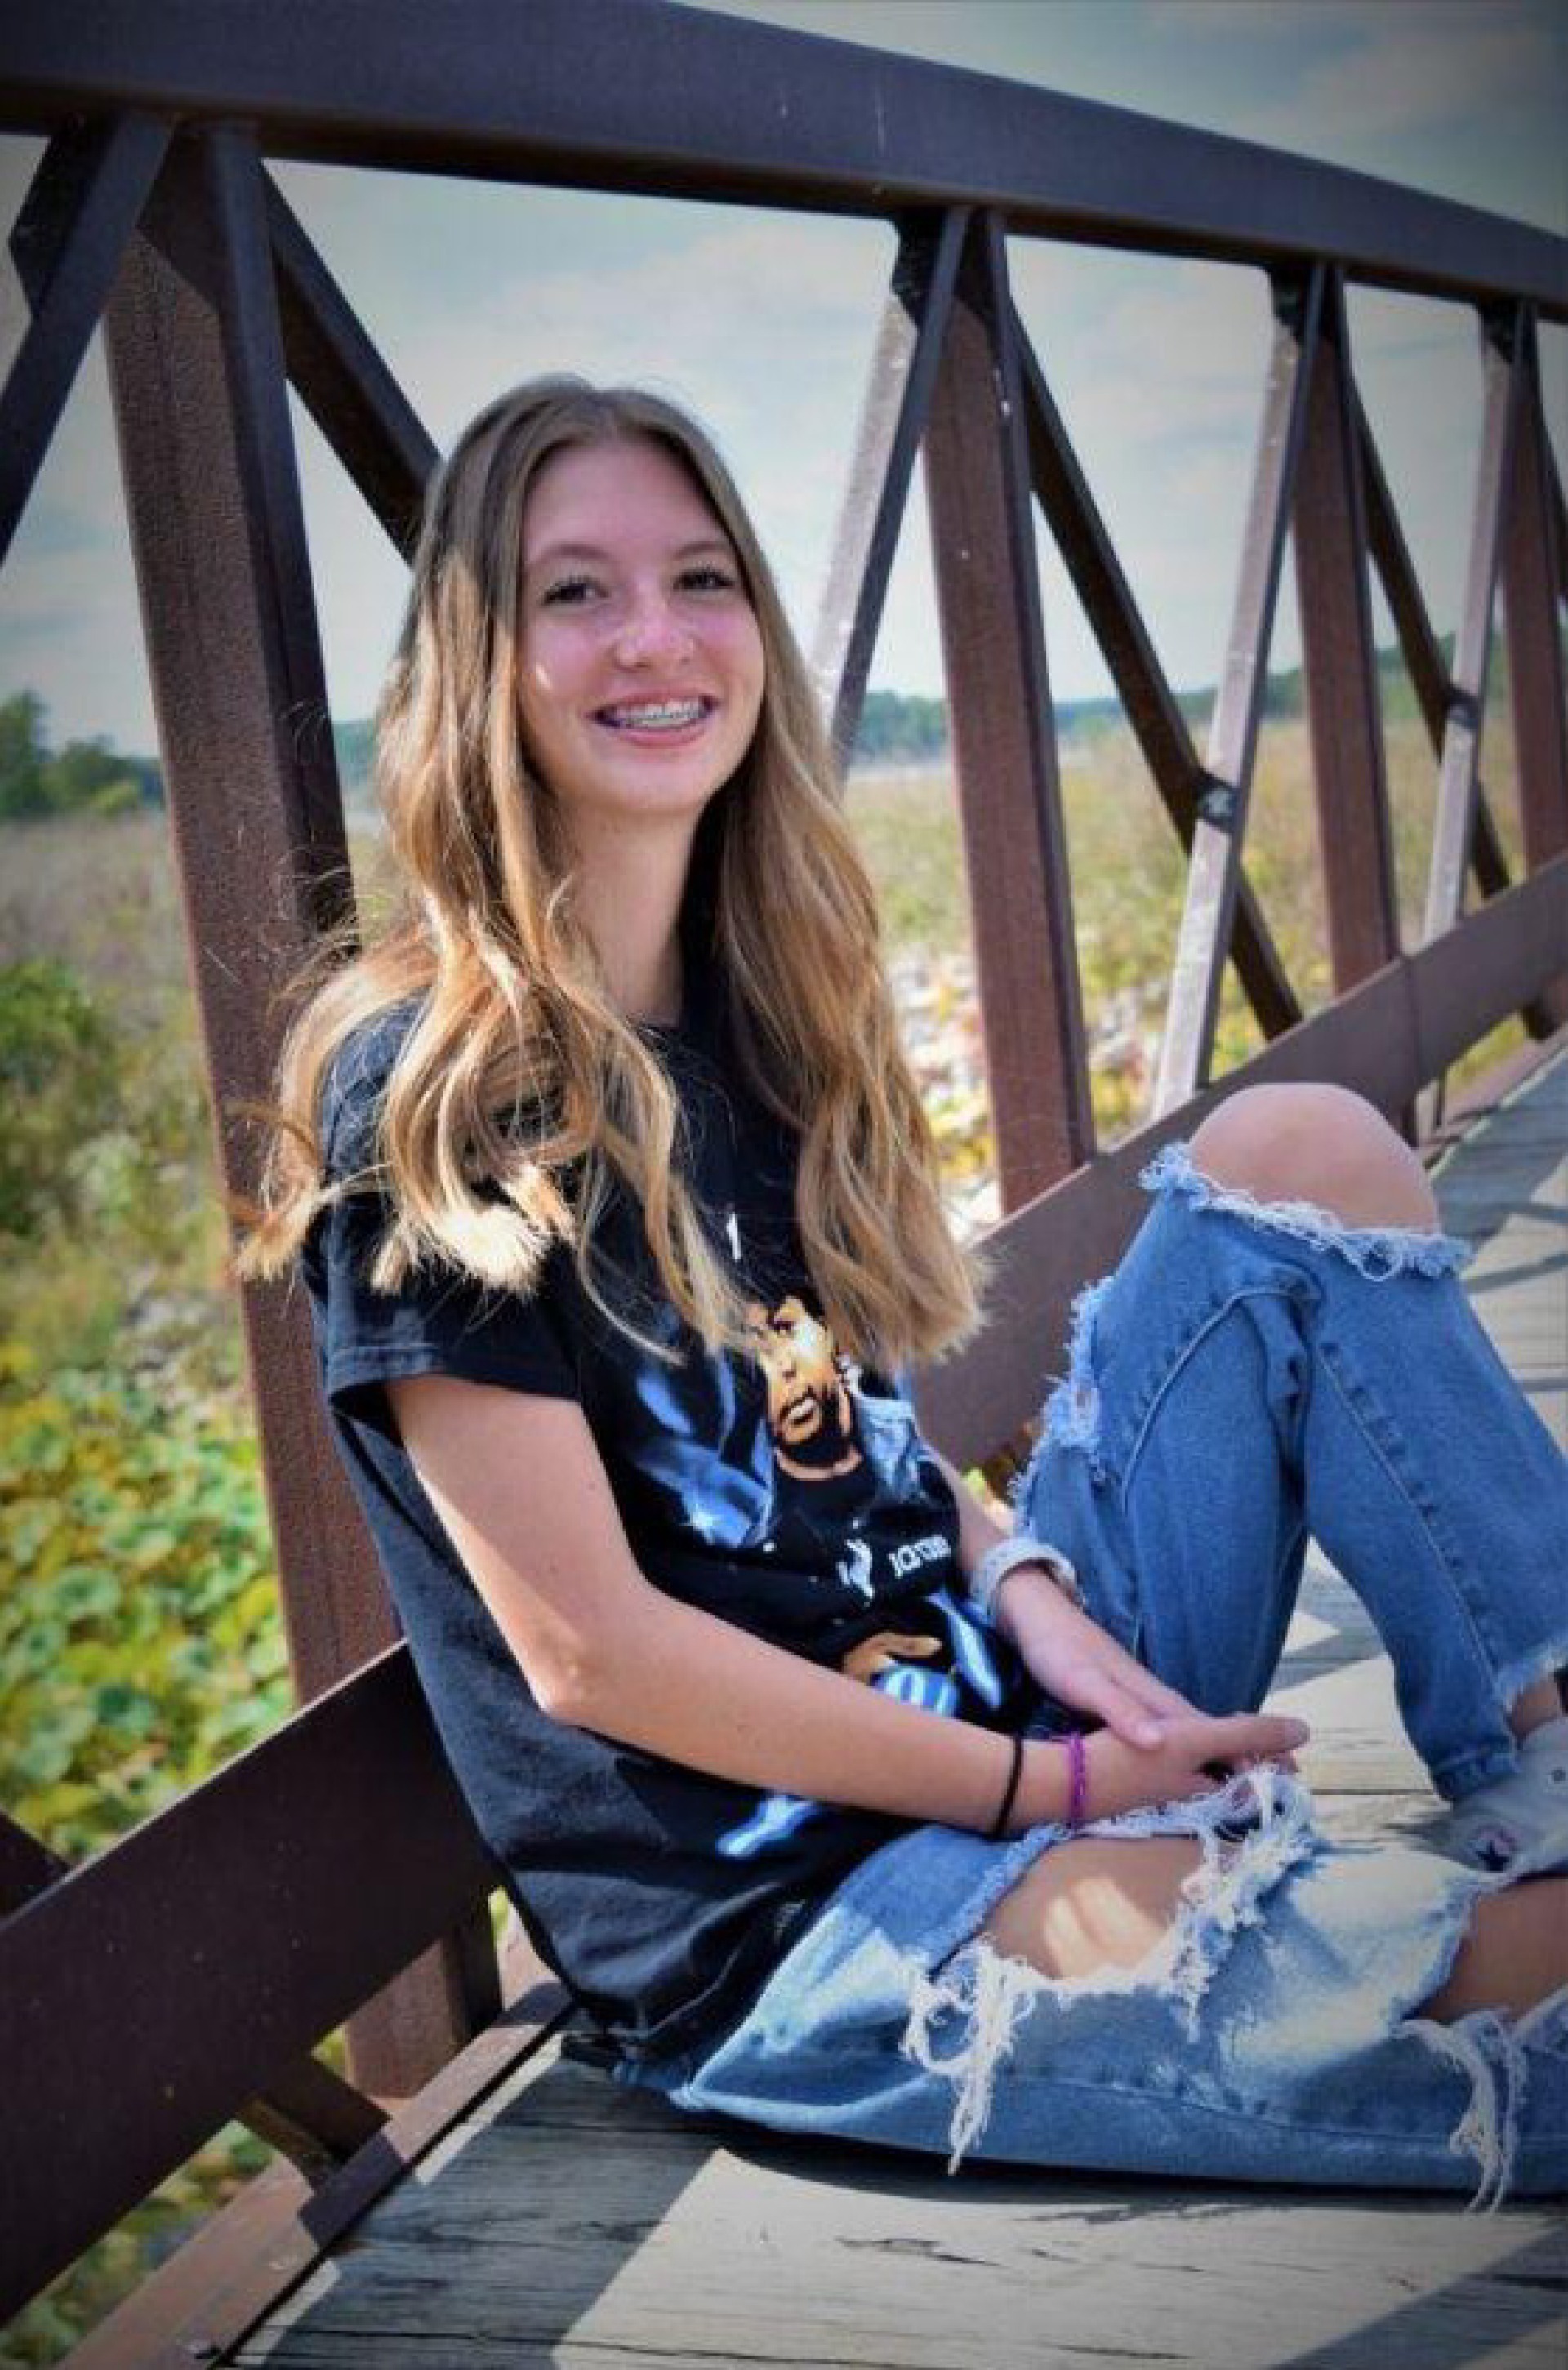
(897, 724)
(89, 776)
(24, 790)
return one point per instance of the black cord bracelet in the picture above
(998, 1825)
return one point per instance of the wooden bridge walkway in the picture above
(569, 2222)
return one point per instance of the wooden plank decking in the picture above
(570, 2224)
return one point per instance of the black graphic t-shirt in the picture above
(785, 1491)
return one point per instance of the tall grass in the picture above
(1128, 874)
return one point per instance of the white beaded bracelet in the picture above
(1005, 1556)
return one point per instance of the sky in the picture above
(1156, 363)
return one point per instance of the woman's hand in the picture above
(1198, 1754)
(1081, 1665)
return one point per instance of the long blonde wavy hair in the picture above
(520, 1093)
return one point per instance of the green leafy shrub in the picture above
(141, 1644)
(59, 1080)
(111, 1232)
(46, 2330)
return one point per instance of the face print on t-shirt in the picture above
(811, 1410)
(815, 1425)
(780, 1453)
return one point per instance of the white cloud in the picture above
(1406, 69)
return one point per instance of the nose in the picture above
(652, 629)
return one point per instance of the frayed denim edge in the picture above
(993, 1994)
(1072, 1411)
(1527, 1669)
(1492, 2050)
(1484, 2047)
(1380, 1253)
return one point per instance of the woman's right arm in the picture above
(521, 1489)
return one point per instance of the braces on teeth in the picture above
(671, 712)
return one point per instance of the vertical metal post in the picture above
(1213, 874)
(1457, 786)
(1153, 713)
(1344, 717)
(1532, 574)
(1003, 744)
(892, 419)
(213, 496)
(1423, 654)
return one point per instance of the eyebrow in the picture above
(554, 553)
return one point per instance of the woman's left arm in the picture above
(1070, 1655)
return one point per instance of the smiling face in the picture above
(642, 670)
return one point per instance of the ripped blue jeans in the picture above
(1249, 1376)
(1242, 1382)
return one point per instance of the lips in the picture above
(799, 1416)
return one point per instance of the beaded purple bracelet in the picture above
(1077, 1778)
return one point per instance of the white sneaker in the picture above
(1524, 1814)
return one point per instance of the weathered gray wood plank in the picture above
(1335, 1675)
(575, 2225)
(1505, 1187)
(557, 2234)
(578, 2226)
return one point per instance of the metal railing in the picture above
(161, 1988)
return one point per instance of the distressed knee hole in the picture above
(1277, 1140)
(1376, 1252)
(1091, 1907)
(965, 2012)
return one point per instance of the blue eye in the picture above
(715, 578)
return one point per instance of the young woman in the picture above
(838, 1806)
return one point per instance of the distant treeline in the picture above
(83, 777)
(896, 729)
(90, 777)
